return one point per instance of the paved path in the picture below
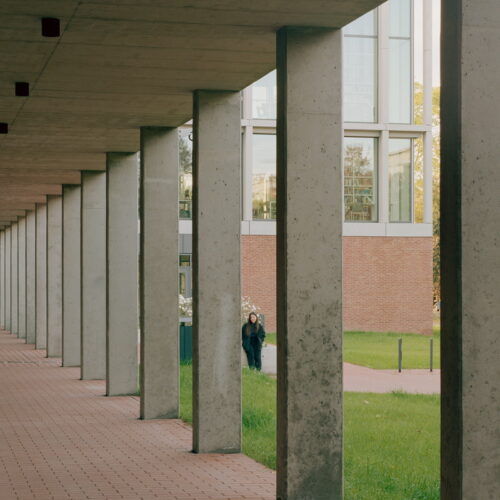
(362, 379)
(60, 438)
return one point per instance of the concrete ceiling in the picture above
(122, 64)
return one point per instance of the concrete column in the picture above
(21, 326)
(93, 276)
(216, 273)
(159, 273)
(309, 264)
(41, 277)
(54, 276)
(2, 279)
(31, 277)
(71, 346)
(14, 280)
(122, 279)
(470, 250)
(7, 277)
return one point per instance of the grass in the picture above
(391, 440)
(380, 350)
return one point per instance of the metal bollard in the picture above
(431, 348)
(400, 355)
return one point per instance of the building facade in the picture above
(387, 230)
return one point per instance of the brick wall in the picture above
(387, 282)
(258, 278)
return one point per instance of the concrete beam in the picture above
(23, 190)
(93, 354)
(54, 277)
(216, 273)
(72, 328)
(41, 277)
(33, 176)
(122, 269)
(309, 269)
(470, 250)
(16, 205)
(158, 273)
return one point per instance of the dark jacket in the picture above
(255, 338)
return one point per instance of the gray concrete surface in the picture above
(72, 318)
(41, 277)
(122, 273)
(470, 251)
(54, 276)
(159, 273)
(309, 187)
(2, 279)
(7, 277)
(93, 285)
(216, 272)
(21, 244)
(14, 279)
(31, 277)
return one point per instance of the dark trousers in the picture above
(253, 353)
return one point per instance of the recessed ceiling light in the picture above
(22, 89)
(50, 27)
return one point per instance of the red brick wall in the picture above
(258, 279)
(387, 282)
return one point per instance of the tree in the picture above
(436, 162)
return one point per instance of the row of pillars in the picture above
(69, 270)
(90, 284)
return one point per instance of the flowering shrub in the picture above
(247, 307)
(185, 307)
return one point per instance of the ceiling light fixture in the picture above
(51, 27)
(22, 89)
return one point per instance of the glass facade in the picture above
(400, 62)
(400, 180)
(264, 97)
(382, 80)
(185, 174)
(264, 176)
(360, 69)
(360, 179)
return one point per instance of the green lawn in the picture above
(391, 440)
(380, 350)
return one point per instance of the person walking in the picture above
(252, 337)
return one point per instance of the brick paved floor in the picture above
(61, 438)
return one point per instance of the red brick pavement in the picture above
(61, 438)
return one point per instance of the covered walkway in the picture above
(60, 438)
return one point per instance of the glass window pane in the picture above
(185, 174)
(360, 79)
(400, 185)
(418, 179)
(264, 176)
(264, 97)
(360, 179)
(400, 18)
(364, 25)
(400, 86)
